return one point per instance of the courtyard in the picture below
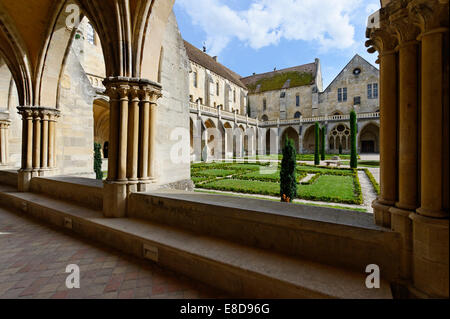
(321, 185)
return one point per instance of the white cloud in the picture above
(266, 22)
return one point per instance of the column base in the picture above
(402, 224)
(430, 261)
(381, 213)
(114, 199)
(24, 182)
(143, 185)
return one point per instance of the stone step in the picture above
(84, 191)
(9, 177)
(240, 270)
(331, 236)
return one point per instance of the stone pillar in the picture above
(44, 143)
(133, 140)
(197, 137)
(431, 226)
(388, 138)
(38, 143)
(130, 140)
(408, 162)
(152, 138)
(4, 127)
(144, 140)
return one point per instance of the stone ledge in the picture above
(240, 270)
(309, 232)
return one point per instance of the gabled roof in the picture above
(282, 79)
(345, 67)
(203, 59)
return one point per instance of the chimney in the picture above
(215, 58)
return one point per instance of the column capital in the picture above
(5, 123)
(405, 27)
(429, 14)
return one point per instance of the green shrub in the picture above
(98, 161)
(288, 180)
(375, 184)
(316, 144)
(353, 132)
(322, 145)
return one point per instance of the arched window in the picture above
(264, 118)
(90, 34)
(297, 115)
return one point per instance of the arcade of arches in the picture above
(143, 99)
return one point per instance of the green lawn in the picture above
(244, 186)
(329, 188)
(364, 163)
(213, 172)
(300, 157)
(330, 185)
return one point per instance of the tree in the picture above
(353, 132)
(322, 149)
(317, 146)
(98, 161)
(288, 178)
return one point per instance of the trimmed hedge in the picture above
(372, 179)
(288, 180)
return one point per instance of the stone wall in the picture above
(206, 90)
(274, 102)
(173, 107)
(75, 128)
(356, 86)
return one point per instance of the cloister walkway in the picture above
(34, 256)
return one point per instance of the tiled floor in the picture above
(34, 256)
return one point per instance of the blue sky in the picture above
(258, 35)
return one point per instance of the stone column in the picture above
(144, 140)
(37, 116)
(431, 226)
(4, 127)
(388, 138)
(130, 140)
(152, 140)
(407, 136)
(52, 141)
(133, 140)
(38, 143)
(44, 143)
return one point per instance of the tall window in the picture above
(217, 89)
(342, 94)
(264, 104)
(297, 100)
(357, 100)
(90, 33)
(195, 79)
(234, 96)
(372, 91)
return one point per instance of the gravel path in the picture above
(369, 194)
